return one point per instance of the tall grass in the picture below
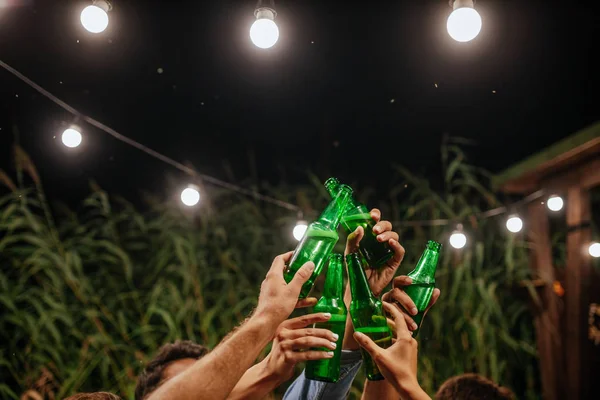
(87, 296)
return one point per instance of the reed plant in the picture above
(88, 295)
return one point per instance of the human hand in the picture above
(292, 344)
(397, 363)
(398, 297)
(381, 277)
(277, 298)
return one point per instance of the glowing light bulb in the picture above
(190, 196)
(514, 224)
(94, 18)
(594, 250)
(264, 32)
(458, 240)
(555, 203)
(300, 230)
(71, 137)
(464, 23)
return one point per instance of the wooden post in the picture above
(546, 319)
(577, 281)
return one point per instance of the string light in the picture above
(555, 203)
(190, 196)
(264, 32)
(71, 137)
(464, 23)
(458, 240)
(300, 229)
(94, 18)
(514, 223)
(594, 250)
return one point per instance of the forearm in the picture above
(256, 383)
(412, 391)
(379, 390)
(215, 375)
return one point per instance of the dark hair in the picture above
(151, 376)
(472, 387)
(94, 396)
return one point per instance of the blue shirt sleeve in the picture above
(306, 389)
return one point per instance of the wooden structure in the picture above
(569, 168)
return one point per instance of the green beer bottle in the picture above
(367, 315)
(423, 281)
(357, 214)
(318, 241)
(332, 301)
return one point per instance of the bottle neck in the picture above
(359, 286)
(332, 185)
(334, 281)
(424, 271)
(330, 217)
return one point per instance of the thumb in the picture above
(301, 276)
(366, 343)
(354, 239)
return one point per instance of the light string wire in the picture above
(218, 182)
(482, 214)
(146, 149)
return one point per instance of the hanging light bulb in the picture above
(594, 249)
(464, 23)
(190, 196)
(71, 137)
(458, 240)
(300, 229)
(514, 223)
(555, 203)
(264, 32)
(94, 18)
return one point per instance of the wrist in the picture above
(273, 373)
(411, 390)
(266, 319)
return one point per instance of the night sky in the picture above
(350, 88)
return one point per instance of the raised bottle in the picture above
(423, 281)
(367, 314)
(332, 301)
(319, 240)
(357, 214)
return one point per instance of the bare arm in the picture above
(256, 383)
(293, 343)
(215, 375)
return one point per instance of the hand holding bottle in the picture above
(292, 344)
(397, 363)
(277, 298)
(379, 278)
(398, 296)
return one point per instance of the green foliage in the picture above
(87, 297)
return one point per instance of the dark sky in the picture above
(320, 99)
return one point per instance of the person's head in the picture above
(171, 360)
(472, 387)
(94, 396)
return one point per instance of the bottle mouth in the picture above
(345, 188)
(433, 245)
(332, 181)
(353, 257)
(335, 257)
